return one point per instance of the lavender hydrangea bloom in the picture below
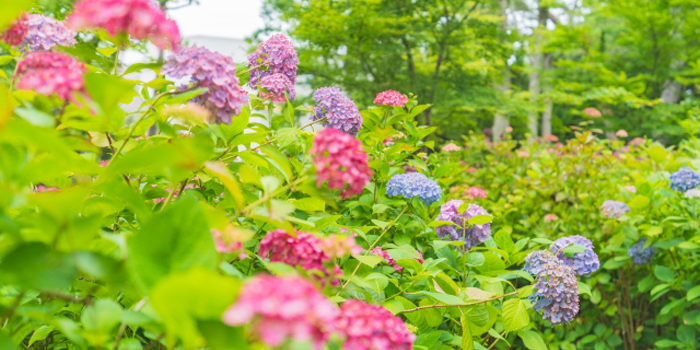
(639, 255)
(556, 288)
(613, 209)
(277, 56)
(209, 70)
(474, 235)
(276, 86)
(414, 185)
(584, 263)
(685, 179)
(340, 112)
(43, 33)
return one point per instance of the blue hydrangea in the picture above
(685, 179)
(474, 234)
(639, 255)
(340, 112)
(556, 287)
(584, 263)
(414, 185)
(613, 209)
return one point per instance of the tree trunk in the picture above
(547, 113)
(500, 121)
(537, 62)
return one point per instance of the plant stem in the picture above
(459, 305)
(267, 197)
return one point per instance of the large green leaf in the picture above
(532, 340)
(35, 265)
(515, 315)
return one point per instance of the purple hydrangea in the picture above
(43, 33)
(685, 179)
(473, 235)
(414, 185)
(340, 112)
(584, 263)
(639, 255)
(274, 56)
(556, 287)
(613, 209)
(276, 85)
(210, 70)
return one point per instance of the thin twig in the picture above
(459, 305)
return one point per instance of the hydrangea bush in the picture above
(232, 227)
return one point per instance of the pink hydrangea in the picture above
(341, 161)
(230, 240)
(631, 189)
(472, 169)
(338, 246)
(372, 327)
(212, 70)
(283, 307)
(474, 192)
(391, 98)
(274, 56)
(142, 19)
(592, 112)
(450, 147)
(551, 217)
(523, 154)
(43, 33)
(15, 34)
(551, 138)
(50, 73)
(276, 85)
(621, 133)
(304, 249)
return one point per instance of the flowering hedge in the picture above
(232, 227)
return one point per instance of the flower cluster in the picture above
(472, 236)
(142, 19)
(584, 263)
(340, 112)
(450, 147)
(340, 160)
(275, 56)
(613, 209)
(592, 112)
(389, 260)
(474, 192)
(414, 185)
(281, 308)
(551, 217)
(211, 70)
(50, 73)
(15, 34)
(372, 327)
(556, 287)
(276, 85)
(338, 246)
(694, 193)
(304, 249)
(231, 239)
(639, 255)
(43, 33)
(390, 98)
(684, 179)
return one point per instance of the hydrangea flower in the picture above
(621, 133)
(211, 70)
(582, 263)
(472, 236)
(142, 19)
(694, 193)
(556, 287)
(390, 98)
(283, 307)
(304, 249)
(631, 189)
(685, 179)
(43, 33)
(613, 209)
(592, 112)
(372, 327)
(50, 73)
(474, 192)
(274, 56)
(389, 260)
(551, 217)
(450, 147)
(414, 185)
(275, 86)
(16, 32)
(551, 138)
(340, 112)
(639, 255)
(231, 239)
(338, 246)
(341, 161)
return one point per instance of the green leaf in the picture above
(310, 204)
(639, 202)
(443, 298)
(220, 170)
(573, 249)
(481, 220)
(137, 67)
(664, 274)
(467, 340)
(11, 10)
(171, 241)
(476, 314)
(181, 299)
(515, 315)
(532, 340)
(504, 240)
(693, 293)
(584, 289)
(369, 260)
(278, 160)
(102, 315)
(107, 51)
(35, 265)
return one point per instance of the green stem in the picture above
(267, 197)
(458, 305)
